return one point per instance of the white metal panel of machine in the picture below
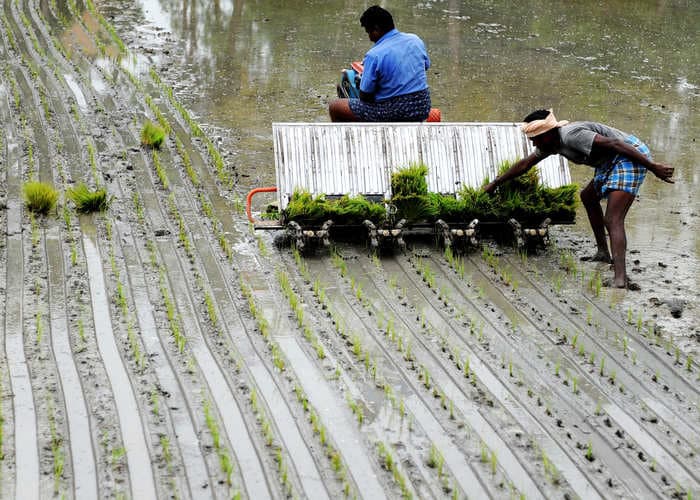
(358, 158)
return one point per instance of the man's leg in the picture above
(619, 203)
(591, 201)
(340, 111)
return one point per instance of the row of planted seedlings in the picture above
(614, 337)
(449, 349)
(152, 137)
(634, 324)
(79, 324)
(394, 331)
(488, 344)
(264, 421)
(629, 353)
(386, 453)
(185, 359)
(77, 195)
(40, 198)
(609, 387)
(330, 449)
(567, 377)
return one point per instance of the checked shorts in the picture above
(622, 174)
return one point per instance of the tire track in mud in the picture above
(455, 460)
(510, 400)
(572, 364)
(331, 409)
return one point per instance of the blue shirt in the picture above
(395, 65)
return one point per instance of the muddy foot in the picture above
(629, 285)
(597, 257)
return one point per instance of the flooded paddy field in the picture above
(163, 349)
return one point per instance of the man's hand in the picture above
(663, 172)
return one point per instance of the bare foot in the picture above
(625, 284)
(598, 257)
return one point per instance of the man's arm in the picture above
(660, 170)
(516, 170)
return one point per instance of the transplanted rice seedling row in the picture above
(318, 429)
(426, 380)
(616, 386)
(369, 363)
(460, 351)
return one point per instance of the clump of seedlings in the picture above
(87, 200)
(152, 135)
(350, 210)
(523, 198)
(39, 197)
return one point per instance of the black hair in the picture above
(376, 17)
(540, 114)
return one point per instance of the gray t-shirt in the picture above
(577, 142)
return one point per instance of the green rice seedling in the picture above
(574, 341)
(689, 363)
(589, 452)
(167, 453)
(602, 366)
(484, 452)
(493, 462)
(591, 358)
(87, 200)
(39, 328)
(152, 135)
(154, 402)
(117, 455)
(39, 197)
(629, 315)
(574, 385)
(598, 409)
(612, 377)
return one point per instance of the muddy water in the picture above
(239, 66)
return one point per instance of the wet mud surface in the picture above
(163, 349)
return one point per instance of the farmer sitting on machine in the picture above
(394, 84)
(621, 162)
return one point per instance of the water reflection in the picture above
(634, 65)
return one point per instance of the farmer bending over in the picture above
(621, 161)
(394, 86)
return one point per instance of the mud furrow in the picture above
(656, 447)
(79, 434)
